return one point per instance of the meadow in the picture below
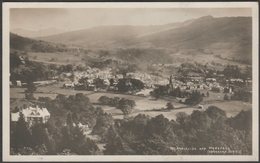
(144, 105)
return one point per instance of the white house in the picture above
(18, 83)
(32, 115)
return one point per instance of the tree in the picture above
(226, 97)
(74, 139)
(104, 100)
(77, 103)
(176, 92)
(157, 125)
(215, 89)
(116, 145)
(242, 94)
(169, 106)
(194, 99)
(125, 85)
(137, 84)
(99, 83)
(103, 123)
(21, 134)
(242, 121)
(111, 81)
(126, 106)
(182, 118)
(232, 71)
(30, 90)
(155, 145)
(160, 91)
(69, 120)
(38, 134)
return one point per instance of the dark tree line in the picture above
(139, 135)
(143, 135)
(233, 71)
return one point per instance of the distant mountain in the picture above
(38, 33)
(228, 37)
(108, 36)
(31, 45)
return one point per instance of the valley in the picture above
(124, 89)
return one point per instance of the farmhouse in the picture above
(32, 115)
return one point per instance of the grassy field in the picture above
(203, 59)
(144, 105)
(59, 58)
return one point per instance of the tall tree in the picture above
(21, 134)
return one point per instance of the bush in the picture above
(194, 99)
(242, 95)
(126, 106)
(226, 97)
(126, 85)
(215, 89)
(169, 106)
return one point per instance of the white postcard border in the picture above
(6, 90)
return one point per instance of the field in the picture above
(144, 105)
(58, 58)
(203, 59)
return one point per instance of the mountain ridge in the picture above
(228, 37)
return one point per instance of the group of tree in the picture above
(167, 90)
(125, 105)
(160, 91)
(74, 139)
(233, 71)
(62, 134)
(194, 98)
(34, 140)
(139, 135)
(215, 89)
(129, 85)
(26, 70)
(143, 135)
(186, 68)
(242, 95)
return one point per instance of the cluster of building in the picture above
(195, 84)
(193, 81)
(106, 75)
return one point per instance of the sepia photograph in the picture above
(130, 81)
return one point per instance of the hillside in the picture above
(101, 37)
(36, 33)
(109, 36)
(31, 45)
(228, 37)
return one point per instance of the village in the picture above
(173, 87)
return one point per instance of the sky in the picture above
(69, 19)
